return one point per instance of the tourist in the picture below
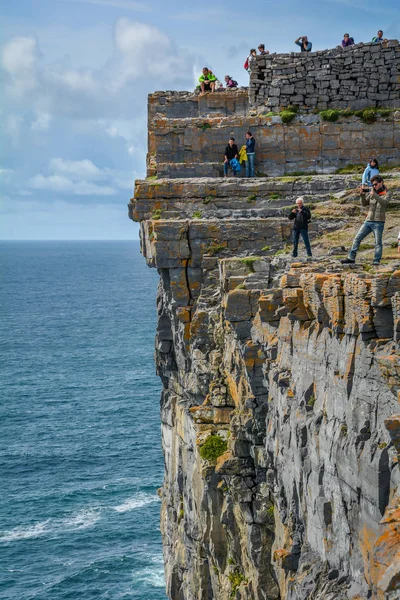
(231, 153)
(379, 37)
(251, 57)
(207, 81)
(304, 44)
(262, 50)
(251, 154)
(229, 82)
(371, 170)
(347, 41)
(301, 215)
(377, 201)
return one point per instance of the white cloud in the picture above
(61, 184)
(144, 58)
(76, 169)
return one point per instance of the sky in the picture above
(74, 79)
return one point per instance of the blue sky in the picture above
(75, 75)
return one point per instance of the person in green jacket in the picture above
(207, 81)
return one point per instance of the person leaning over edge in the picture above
(262, 50)
(305, 45)
(377, 201)
(379, 37)
(347, 41)
(301, 216)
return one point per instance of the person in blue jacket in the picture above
(371, 170)
(251, 154)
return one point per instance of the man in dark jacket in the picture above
(231, 151)
(301, 216)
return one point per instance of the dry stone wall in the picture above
(359, 76)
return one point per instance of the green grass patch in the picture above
(292, 108)
(330, 115)
(311, 401)
(214, 249)
(236, 579)
(213, 448)
(241, 286)
(271, 113)
(275, 196)
(249, 261)
(197, 214)
(208, 199)
(156, 214)
(152, 177)
(251, 198)
(382, 445)
(368, 115)
(204, 126)
(265, 249)
(350, 169)
(287, 116)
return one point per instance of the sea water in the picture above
(80, 452)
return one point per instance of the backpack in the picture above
(235, 83)
(246, 64)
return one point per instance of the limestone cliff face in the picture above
(279, 409)
(294, 368)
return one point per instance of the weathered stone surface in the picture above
(281, 380)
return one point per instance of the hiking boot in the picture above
(376, 263)
(347, 261)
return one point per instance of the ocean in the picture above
(80, 450)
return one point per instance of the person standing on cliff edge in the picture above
(301, 215)
(305, 45)
(251, 154)
(377, 201)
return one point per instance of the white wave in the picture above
(137, 501)
(81, 520)
(151, 577)
(24, 533)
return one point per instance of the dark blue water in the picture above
(80, 453)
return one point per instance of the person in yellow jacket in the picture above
(243, 154)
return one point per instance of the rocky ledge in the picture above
(280, 417)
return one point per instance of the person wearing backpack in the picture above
(251, 57)
(301, 216)
(229, 82)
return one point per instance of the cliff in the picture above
(279, 409)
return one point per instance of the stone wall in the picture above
(193, 146)
(360, 76)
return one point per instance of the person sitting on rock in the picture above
(371, 170)
(251, 57)
(304, 44)
(377, 201)
(262, 50)
(347, 41)
(207, 81)
(231, 152)
(301, 215)
(229, 82)
(379, 37)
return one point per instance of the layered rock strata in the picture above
(187, 137)
(281, 479)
